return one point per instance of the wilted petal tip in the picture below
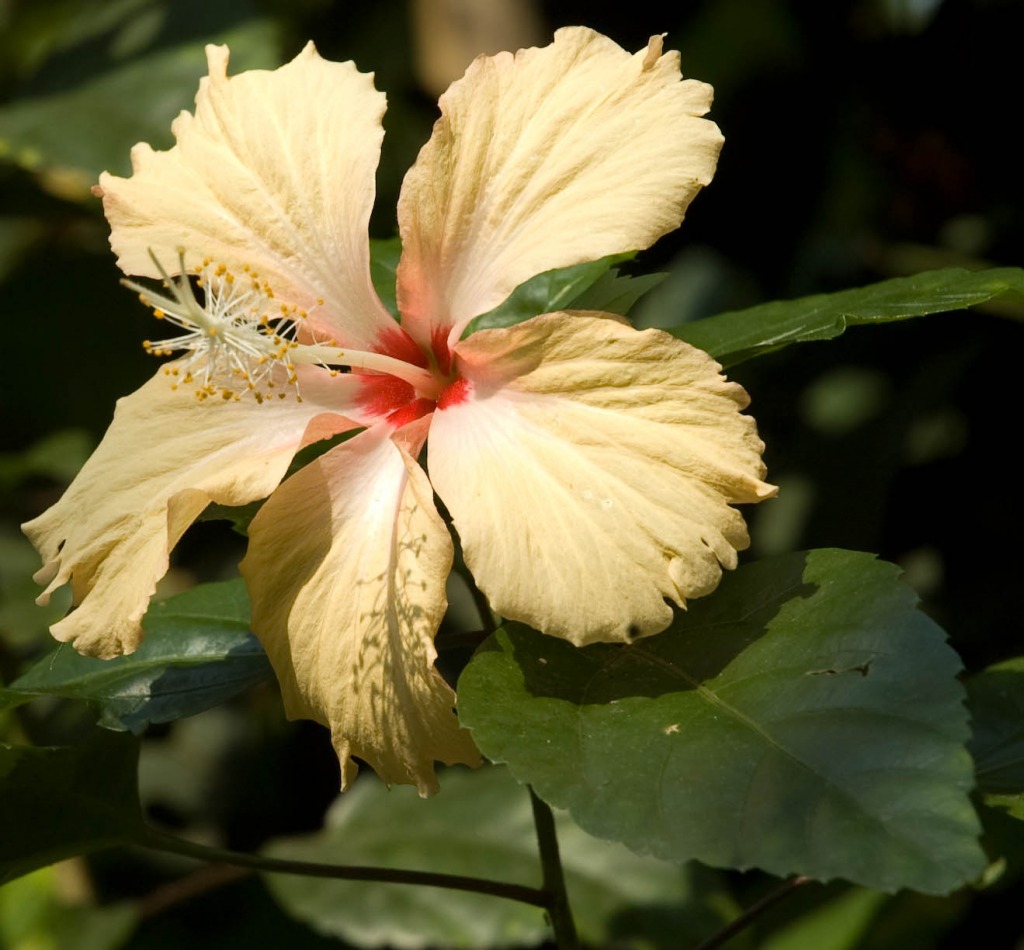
(654, 50)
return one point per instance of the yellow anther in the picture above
(233, 339)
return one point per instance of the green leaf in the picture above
(558, 289)
(197, 653)
(996, 702)
(597, 285)
(24, 625)
(55, 803)
(804, 719)
(613, 292)
(36, 34)
(839, 924)
(995, 698)
(74, 135)
(1002, 818)
(58, 456)
(742, 334)
(480, 825)
(36, 911)
(384, 255)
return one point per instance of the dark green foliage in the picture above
(58, 802)
(805, 719)
(197, 652)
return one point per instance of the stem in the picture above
(161, 841)
(752, 913)
(557, 902)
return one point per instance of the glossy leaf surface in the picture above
(197, 653)
(742, 334)
(804, 719)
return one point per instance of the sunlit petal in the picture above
(163, 459)
(589, 469)
(276, 171)
(550, 158)
(346, 570)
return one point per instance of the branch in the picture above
(160, 841)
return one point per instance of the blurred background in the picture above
(865, 139)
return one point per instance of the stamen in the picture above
(241, 339)
(238, 340)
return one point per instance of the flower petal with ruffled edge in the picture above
(589, 469)
(165, 457)
(346, 570)
(551, 157)
(276, 171)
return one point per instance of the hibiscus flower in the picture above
(589, 469)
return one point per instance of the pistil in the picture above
(426, 383)
(240, 339)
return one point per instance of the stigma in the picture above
(236, 340)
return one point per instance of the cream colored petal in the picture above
(163, 459)
(590, 472)
(275, 170)
(346, 571)
(549, 158)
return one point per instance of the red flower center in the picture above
(399, 401)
